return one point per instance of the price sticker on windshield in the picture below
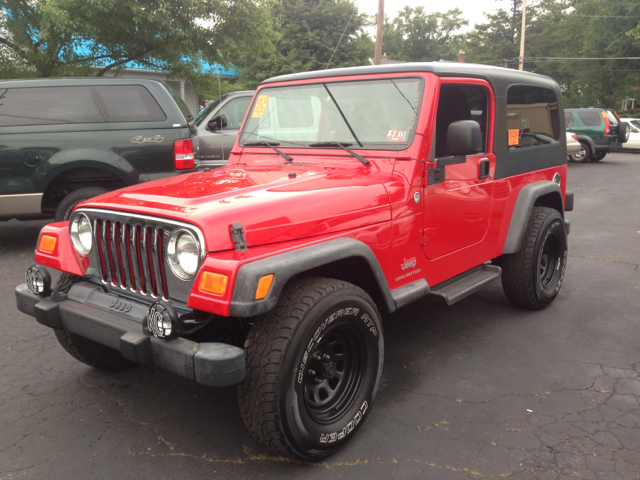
(397, 135)
(514, 135)
(260, 107)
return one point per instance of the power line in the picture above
(553, 59)
(586, 16)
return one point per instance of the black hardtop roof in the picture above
(497, 76)
(75, 82)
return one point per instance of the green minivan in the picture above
(65, 140)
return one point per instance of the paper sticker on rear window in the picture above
(514, 136)
(397, 135)
(261, 105)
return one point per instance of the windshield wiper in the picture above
(342, 114)
(342, 146)
(270, 145)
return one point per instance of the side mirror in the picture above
(217, 123)
(464, 138)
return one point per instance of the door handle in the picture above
(484, 168)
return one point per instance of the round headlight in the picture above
(81, 234)
(183, 254)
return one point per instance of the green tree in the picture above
(417, 36)
(45, 38)
(309, 31)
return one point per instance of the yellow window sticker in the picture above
(260, 107)
(513, 136)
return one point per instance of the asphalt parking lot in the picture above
(477, 390)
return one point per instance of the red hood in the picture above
(324, 197)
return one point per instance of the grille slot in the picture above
(131, 256)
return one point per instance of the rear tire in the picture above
(583, 154)
(532, 277)
(313, 368)
(68, 203)
(598, 156)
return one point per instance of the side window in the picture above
(532, 117)
(48, 106)
(568, 119)
(129, 103)
(234, 111)
(460, 102)
(590, 119)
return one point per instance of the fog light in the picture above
(161, 321)
(38, 280)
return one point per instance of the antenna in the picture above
(345, 29)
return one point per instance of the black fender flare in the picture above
(286, 265)
(525, 202)
(587, 139)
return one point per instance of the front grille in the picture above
(131, 255)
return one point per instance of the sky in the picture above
(471, 9)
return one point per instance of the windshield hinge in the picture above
(433, 175)
(238, 237)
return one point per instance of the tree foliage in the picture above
(417, 36)
(308, 33)
(45, 38)
(560, 36)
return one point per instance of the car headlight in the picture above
(81, 234)
(183, 254)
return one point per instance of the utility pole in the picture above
(378, 57)
(524, 21)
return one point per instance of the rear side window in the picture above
(48, 106)
(532, 117)
(568, 119)
(590, 119)
(129, 103)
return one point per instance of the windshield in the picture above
(379, 114)
(203, 114)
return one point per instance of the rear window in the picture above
(532, 117)
(568, 119)
(129, 103)
(613, 118)
(590, 119)
(48, 106)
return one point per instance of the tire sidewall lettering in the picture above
(363, 319)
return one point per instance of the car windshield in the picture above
(204, 113)
(378, 113)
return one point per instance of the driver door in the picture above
(457, 210)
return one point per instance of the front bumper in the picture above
(117, 323)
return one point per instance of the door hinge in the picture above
(433, 175)
(427, 235)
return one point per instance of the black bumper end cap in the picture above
(568, 201)
(136, 347)
(219, 365)
(47, 313)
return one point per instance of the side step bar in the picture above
(466, 283)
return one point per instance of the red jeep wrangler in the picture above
(348, 191)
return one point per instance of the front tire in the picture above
(92, 353)
(313, 368)
(532, 277)
(583, 154)
(68, 203)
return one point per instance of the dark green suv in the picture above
(65, 140)
(599, 131)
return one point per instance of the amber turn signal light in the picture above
(263, 286)
(213, 283)
(47, 243)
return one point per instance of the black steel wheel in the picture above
(313, 368)
(532, 277)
